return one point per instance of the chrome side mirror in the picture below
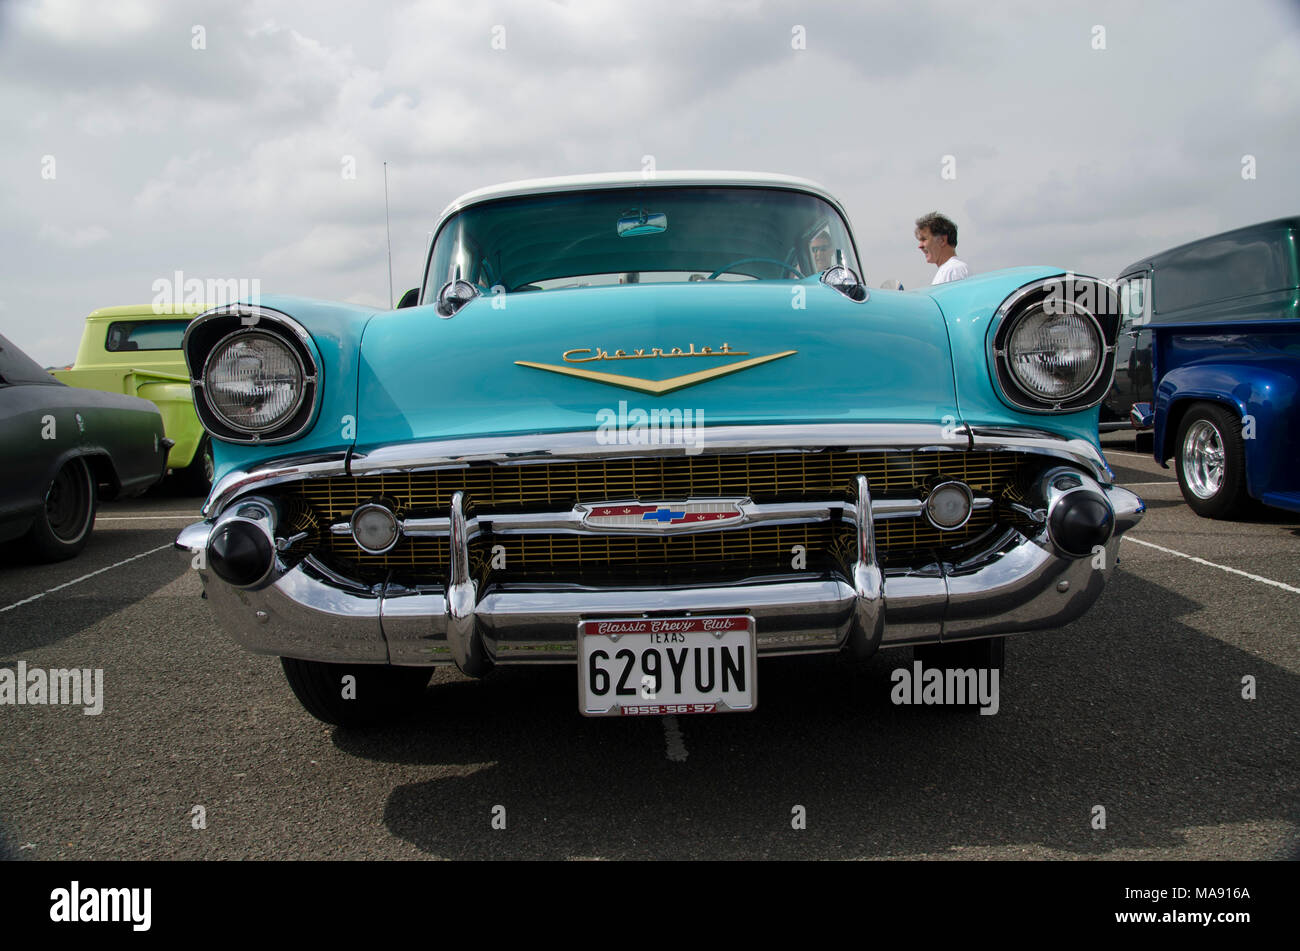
(453, 296)
(846, 282)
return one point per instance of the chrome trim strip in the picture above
(1080, 452)
(535, 449)
(256, 312)
(233, 484)
(585, 445)
(791, 513)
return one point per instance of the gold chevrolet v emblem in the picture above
(657, 387)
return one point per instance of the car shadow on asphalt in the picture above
(1127, 709)
(57, 615)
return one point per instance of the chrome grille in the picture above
(791, 476)
(779, 476)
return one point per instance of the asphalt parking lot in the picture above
(1137, 708)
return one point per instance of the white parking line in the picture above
(1165, 482)
(1201, 561)
(673, 737)
(1125, 452)
(59, 587)
(140, 518)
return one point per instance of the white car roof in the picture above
(564, 183)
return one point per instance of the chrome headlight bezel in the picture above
(216, 329)
(1056, 296)
(243, 335)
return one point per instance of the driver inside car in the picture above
(821, 251)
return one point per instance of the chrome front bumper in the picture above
(1017, 583)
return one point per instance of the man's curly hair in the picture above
(936, 223)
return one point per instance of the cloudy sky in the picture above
(140, 138)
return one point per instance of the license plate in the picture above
(671, 665)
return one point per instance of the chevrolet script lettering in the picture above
(655, 387)
(724, 351)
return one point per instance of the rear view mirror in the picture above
(635, 222)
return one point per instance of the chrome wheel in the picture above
(1203, 459)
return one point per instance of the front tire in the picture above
(987, 654)
(196, 478)
(1210, 457)
(63, 525)
(377, 694)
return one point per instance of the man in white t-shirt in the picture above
(938, 240)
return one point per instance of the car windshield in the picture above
(639, 236)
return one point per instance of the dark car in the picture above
(1209, 358)
(64, 449)
(1129, 400)
(1240, 275)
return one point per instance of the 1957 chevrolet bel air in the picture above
(654, 428)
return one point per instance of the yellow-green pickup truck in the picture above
(136, 350)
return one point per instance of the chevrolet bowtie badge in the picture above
(661, 517)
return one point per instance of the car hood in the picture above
(424, 377)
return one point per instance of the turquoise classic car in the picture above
(654, 428)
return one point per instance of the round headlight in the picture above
(253, 381)
(1054, 356)
(948, 506)
(374, 528)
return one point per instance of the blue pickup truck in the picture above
(1209, 357)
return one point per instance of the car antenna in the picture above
(388, 231)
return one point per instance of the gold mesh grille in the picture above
(558, 486)
(759, 476)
